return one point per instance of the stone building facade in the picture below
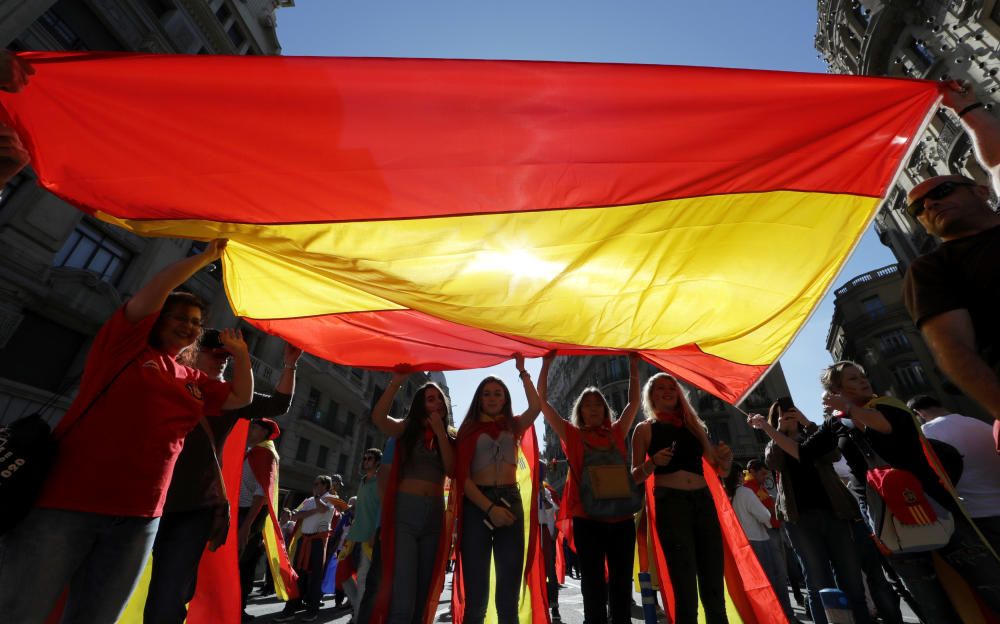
(934, 40)
(63, 273)
(570, 375)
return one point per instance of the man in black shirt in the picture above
(953, 292)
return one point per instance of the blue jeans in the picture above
(778, 575)
(820, 540)
(883, 595)
(419, 522)
(100, 558)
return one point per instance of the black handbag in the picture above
(28, 450)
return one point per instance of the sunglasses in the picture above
(916, 207)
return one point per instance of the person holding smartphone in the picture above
(493, 507)
(669, 446)
(815, 505)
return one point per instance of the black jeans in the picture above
(597, 542)
(506, 544)
(688, 527)
(180, 542)
(251, 552)
(311, 581)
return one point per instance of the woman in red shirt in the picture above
(590, 435)
(95, 520)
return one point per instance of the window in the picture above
(8, 190)
(321, 457)
(90, 249)
(310, 411)
(910, 375)
(893, 341)
(342, 465)
(223, 13)
(923, 51)
(40, 353)
(236, 35)
(303, 451)
(61, 31)
(873, 306)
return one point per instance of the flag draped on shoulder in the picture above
(749, 595)
(533, 607)
(263, 460)
(449, 213)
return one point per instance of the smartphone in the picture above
(785, 403)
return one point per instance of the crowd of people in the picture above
(877, 501)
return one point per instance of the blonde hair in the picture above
(831, 375)
(682, 399)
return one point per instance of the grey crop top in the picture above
(423, 464)
(494, 452)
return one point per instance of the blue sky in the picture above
(776, 34)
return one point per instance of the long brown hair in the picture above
(577, 418)
(475, 408)
(417, 415)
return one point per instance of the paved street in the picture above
(570, 606)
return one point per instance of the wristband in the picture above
(644, 471)
(970, 108)
(524, 374)
(489, 509)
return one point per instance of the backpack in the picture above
(904, 519)
(607, 490)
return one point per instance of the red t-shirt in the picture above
(119, 459)
(573, 449)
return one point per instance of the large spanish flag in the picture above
(446, 214)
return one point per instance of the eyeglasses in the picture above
(195, 321)
(916, 207)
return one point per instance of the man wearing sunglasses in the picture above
(953, 292)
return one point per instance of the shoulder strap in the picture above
(96, 398)
(873, 459)
(215, 455)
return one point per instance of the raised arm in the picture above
(982, 126)
(548, 412)
(634, 394)
(149, 300)
(242, 382)
(786, 444)
(380, 414)
(286, 385)
(860, 415)
(527, 418)
(14, 75)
